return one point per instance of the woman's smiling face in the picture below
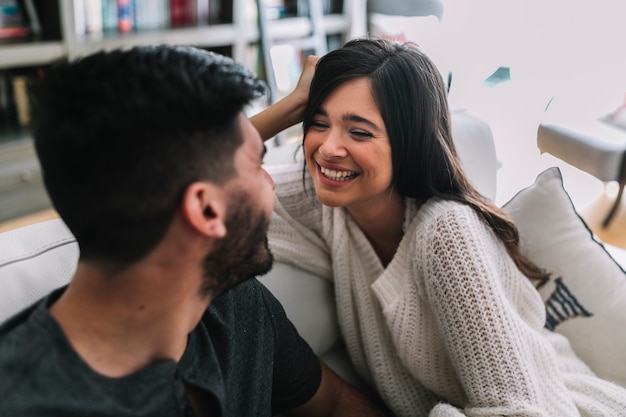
(347, 149)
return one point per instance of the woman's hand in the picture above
(301, 92)
(289, 110)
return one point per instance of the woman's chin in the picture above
(329, 200)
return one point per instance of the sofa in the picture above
(585, 299)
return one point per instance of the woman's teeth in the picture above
(338, 175)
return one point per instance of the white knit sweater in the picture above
(450, 319)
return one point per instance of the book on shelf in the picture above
(14, 98)
(93, 16)
(183, 12)
(278, 9)
(151, 14)
(80, 26)
(13, 20)
(203, 11)
(110, 16)
(122, 16)
(20, 98)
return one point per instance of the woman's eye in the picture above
(318, 125)
(361, 134)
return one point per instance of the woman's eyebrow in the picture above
(351, 117)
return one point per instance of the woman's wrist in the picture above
(293, 106)
(289, 110)
(279, 116)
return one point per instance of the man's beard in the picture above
(243, 253)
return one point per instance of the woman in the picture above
(435, 301)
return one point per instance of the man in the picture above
(150, 161)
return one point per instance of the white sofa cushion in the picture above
(309, 302)
(477, 150)
(586, 296)
(38, 258)
(34, 260)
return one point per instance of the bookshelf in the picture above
(229, 27)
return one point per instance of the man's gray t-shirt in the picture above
(244, 358)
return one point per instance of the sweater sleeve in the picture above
(503, 364)
(296, 229)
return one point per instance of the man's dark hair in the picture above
(121, 134)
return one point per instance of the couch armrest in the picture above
(477, 150)
(34, 260)
(309, 302)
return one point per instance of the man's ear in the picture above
(204, 208)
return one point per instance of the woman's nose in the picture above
(333, 146)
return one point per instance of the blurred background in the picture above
(513, 63)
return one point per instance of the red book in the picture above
(14, 32)
(183, 12)
(177, 12)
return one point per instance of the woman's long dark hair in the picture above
(412, 99)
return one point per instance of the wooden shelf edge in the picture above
(28, 219)
(30, 54)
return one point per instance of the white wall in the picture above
(572, 50)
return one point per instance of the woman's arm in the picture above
(488, 315)
(289, 110)
(335, 397)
